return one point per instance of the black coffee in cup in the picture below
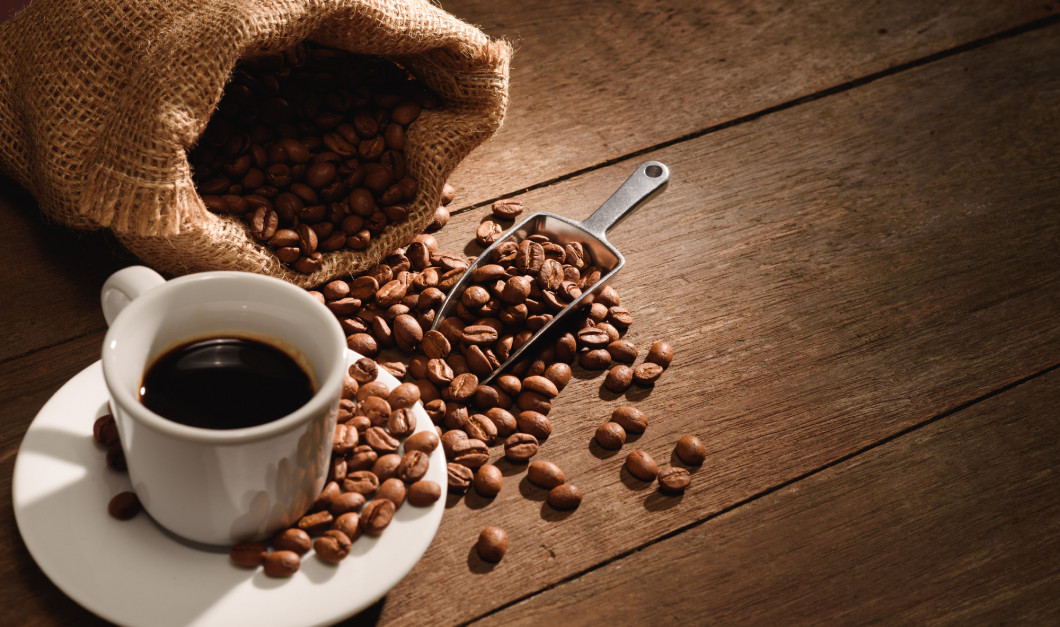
(225, 383)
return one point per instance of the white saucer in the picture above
(132, 573)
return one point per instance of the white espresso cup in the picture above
(221, 486)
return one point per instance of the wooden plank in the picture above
(54, 277)
(591, 81)
(27, 596)
(832, 274)
(957, 522)
(595, 80)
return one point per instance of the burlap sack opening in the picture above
(101, 99)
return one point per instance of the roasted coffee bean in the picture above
(413, 466)
(362, 481)
(545, 474)
(492, 544)
(674, 480)
(362, 457)
(529, 256)
(480, 427)
(488, 232)
(631, 419)
(376, 408)
(385, 467)
(423, 493)
(116, 457)
(363, 343)
(316, 522)
(346, 502)
(488, 480)
(381, 441)
(540, 385)
(479, 335)
(349, 524)
(364, 370)
(596, 359)
(459, 477)
(564, 497)
(349, 387)
(345, 439)
(376, 516)
(622, 351)
(338, 469)
(450, 439)
(471, 452)
(559, 374)
(619, 378)
(424, 441)
(403, 395)
(647, 373)
(535, 424)
(660, 353)
(641, 465)
(439, 372)
(407, 332)
(520, 447)
(507, 208)
(503, 420)
(435, 345)
(610, 435)
(333, 546)
(292, 539)
(393, 490)
(690, 450)
(435, 409)
(105, 430)
(402, 422)
(327, 495)
(462, 387)
(248, 554)
(282, 563)
(619, 317)
(448, 194)
(440, 219)
(592, 337)
(124, 505)
(532, 401)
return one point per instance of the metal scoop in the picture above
(649, 179)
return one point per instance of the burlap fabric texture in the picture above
(101, 99)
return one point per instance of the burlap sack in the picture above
(101, 99)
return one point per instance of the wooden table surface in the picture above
(857, 261)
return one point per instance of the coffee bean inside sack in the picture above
(307, 146)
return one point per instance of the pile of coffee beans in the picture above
(307, 146)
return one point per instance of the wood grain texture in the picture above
(56, 274)
(957, 522)
(592, 81)
(834, 273)
(27, 597)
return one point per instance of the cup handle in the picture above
(122, 287)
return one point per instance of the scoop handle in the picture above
(649, 178)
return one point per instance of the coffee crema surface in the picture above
(225, 383)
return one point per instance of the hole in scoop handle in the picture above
(125, 285)
(649, 179)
